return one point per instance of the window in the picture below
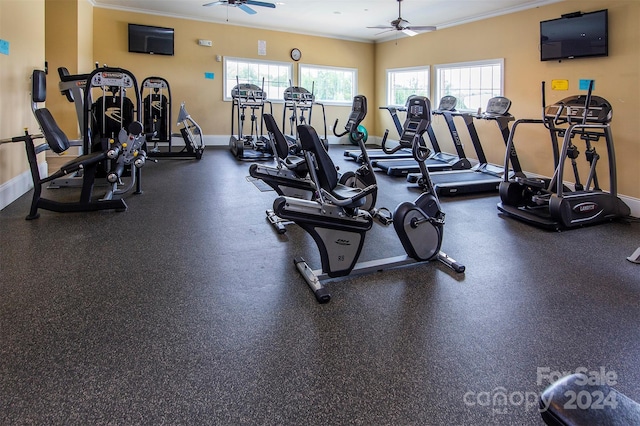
(404, 82)
(277, 76)
(473, 83)
(330, 84)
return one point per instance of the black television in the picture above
(151, 40)
(575, 35)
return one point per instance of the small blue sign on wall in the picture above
(209, 75)
(584, 84)
(4, 47)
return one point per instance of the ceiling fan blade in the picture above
(261, 3)
(421, 28)
(214, 3)
(408, 32)
(390, 29)
(247, 9)
(381, 27)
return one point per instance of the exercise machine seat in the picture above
(560, 404)
(292, 162)
(327, 173)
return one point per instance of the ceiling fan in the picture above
(242, 4)
(403, 25)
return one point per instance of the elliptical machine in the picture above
(251, 146)
(338, 223)
(549, 203)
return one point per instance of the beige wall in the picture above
(69, 43)
(514, 37)
(22, 24)
(185, 70)
(100, 35)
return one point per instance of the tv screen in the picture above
(575, 35)
(152, 40)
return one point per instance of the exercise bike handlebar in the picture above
(344, 202)
(384, 144)
(355, 135)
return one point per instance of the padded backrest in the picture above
(38, 86)
(109, 117)
(55, 137)
(327, 173)
(282, 147)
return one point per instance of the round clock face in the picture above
(296, 54)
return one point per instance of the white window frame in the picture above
(486, 92)
(424, 91)
(315, 84)
(229, 82)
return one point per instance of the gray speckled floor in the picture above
(187, 309)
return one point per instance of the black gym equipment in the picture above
(298, 106)
(483, 177)
(156, 113)
(579, 400)
(438, 160)
(338, 224)
(156, 109)
(291, 177)
(252, 146)
(104, 120)
(550, 203)
(119, 153)
(375, 153)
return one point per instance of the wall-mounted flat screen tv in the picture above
(575, 35)
(152, 40)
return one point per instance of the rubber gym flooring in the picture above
(187, 309)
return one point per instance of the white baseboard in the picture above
(633, 203)
(18, 186)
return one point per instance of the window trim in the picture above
(278, 99)
(469, 64)
(328, 67)
(416, 68)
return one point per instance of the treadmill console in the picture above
(418, 119)
(298, 94)
(571, 109)
(248, 91)
(447, 103)
(498, 106)
(358, 113)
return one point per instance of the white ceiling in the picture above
(344, 19)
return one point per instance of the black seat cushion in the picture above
(55, 137)
(327, 173)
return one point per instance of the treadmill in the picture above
(438, 160)
(484, 176)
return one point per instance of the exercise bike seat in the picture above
(338, 194)
(292, 162)
(560, 404)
